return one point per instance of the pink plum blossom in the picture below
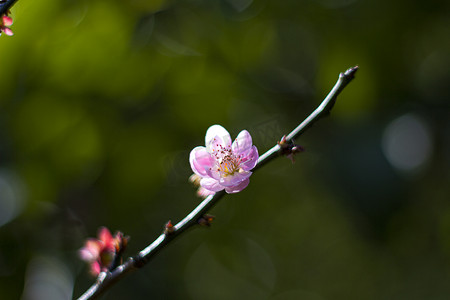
(223, 164)
(100, 253)
(5, 22)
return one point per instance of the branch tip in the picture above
(350, 73)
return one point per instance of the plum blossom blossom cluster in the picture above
(101, 253)
(223, 164)
(5, 22)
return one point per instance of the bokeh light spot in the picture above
(47, 278)
(407, 143)
(12, 198)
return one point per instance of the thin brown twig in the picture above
(106, 279)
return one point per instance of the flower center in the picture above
(227, 163)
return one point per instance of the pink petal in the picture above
(216, 145)
(249, 159)
(7, 31)
(105, 236)
(237, 188)
(200, 160)
(211, 184)
(7, 21)
(90, 251)
(213, 173)
(217, 131)
(87, 255)
(95, 268)
(235, 179)
(242, 143)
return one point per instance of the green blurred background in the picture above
(101, 102)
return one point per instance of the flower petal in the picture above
(213, 173)
(216, 147)
(7, 31)
(211, 184)
(105, 236)
(95, 268)
(237, 188)
(217, 130)
(250, 159)
(86, 255)
(242, 143)
(200, 160)
(90, 251)
(234, 179)
(7, 21)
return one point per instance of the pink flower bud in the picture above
(7, 21)
(100, 253)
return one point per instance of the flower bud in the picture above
(206, 220)
(169, 228)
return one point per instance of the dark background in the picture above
(101, 102)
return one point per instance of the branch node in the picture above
(138, 261)
(289, 148)
(350, 73)
(169, 228)
(205, 220)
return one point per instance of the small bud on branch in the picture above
(206, 220)
(289, 149)
(169, 228)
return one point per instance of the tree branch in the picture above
(107, 279)
(6, 5)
